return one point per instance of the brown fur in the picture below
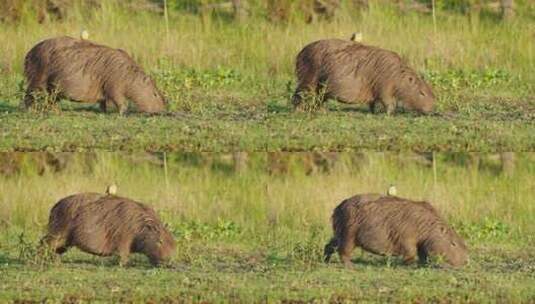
(352, 72)
(87, 72)
(107, 225)
(390, 225)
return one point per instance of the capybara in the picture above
(352, 72)
(107, 225)
(83, 71)
(393, 226)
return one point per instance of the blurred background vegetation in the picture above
(275, 10)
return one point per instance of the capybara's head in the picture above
(157, 243)
(414, 93)
(446, 243)
(146, 95)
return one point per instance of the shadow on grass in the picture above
(380, 262)
(8, 107)
(8, 260)
(82, 259)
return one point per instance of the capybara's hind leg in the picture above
(329, 249)
(345, 250)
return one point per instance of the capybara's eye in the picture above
(422, 93)
(453, 244)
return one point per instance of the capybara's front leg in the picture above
(124, 252)
(103, 106)
(373, 106)
(409, 251)
(390, 105)
(121, 103)
(123, 259)
(329, 249)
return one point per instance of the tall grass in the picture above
(259, 47)
(291, 205)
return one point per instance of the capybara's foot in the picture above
(122, 110)
(297, 103)
(409, 259)
(390, 109)
(123, 260)
(346, 259)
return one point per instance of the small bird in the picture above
(84, 34)
(391, 190)
(357, 37)
(111, 189)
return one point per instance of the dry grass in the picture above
(260, 201)
(265, 48)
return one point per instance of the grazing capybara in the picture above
(352, 72)
(390, 225)
(107, 225)
(83, 71)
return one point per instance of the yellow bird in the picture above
(391, 191)
(111, 189)
(84, 34)
(357, 37)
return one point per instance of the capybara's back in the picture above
(63, 214)
(390, 225)
(84, 71)
(352, 72)
(108, 225)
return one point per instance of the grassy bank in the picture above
(254, 236)
(229, 84)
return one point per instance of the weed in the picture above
(487, 229)
(44, 102)
(309, 251)
(311, 101)
(32, 254)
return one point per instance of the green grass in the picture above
(229, 85)
(253, 277)
(255, 237)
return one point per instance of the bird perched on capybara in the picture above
(390, 225)
(107, 225)
(352, 72)
(83, 71)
